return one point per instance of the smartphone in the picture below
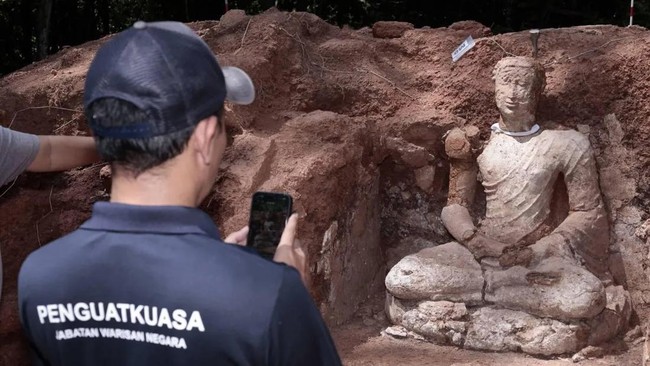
(269, 214)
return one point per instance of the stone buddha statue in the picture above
(521, 263)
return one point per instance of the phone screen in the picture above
(269, 213)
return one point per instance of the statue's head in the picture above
(519, 83)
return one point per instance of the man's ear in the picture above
(202, 138)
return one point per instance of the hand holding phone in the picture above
(268, 217)
(272, 230)
(290, 252)
(238, 237)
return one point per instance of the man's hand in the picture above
(289, 250)
(238, 237)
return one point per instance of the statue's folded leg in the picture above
(555, 288)
(446, 272)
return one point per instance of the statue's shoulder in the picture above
(567, 138)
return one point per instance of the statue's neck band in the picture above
(533, 130)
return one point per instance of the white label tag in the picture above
(462, 49)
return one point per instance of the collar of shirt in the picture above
(118, 217)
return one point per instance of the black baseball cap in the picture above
(166, 70)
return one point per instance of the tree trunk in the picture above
(26, 31)
(44, 17)
(104, 11)
(90, 29)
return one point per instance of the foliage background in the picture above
(32, 29)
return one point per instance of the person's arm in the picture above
(57, 153)
(297, 333)
(17, 151)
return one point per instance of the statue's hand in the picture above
(482, 246)
(516, 256)
(553, 245)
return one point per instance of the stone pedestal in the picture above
(500, 310)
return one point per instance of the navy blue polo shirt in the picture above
(155, 285)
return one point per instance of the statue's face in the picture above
(516, 96)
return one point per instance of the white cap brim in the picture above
(239, 86)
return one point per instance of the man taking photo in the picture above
(147, 279)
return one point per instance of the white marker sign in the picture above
(462, 49)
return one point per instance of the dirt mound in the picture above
(352, 125)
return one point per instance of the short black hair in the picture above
(137, 155)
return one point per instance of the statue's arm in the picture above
(585, 230)
(462, 186)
